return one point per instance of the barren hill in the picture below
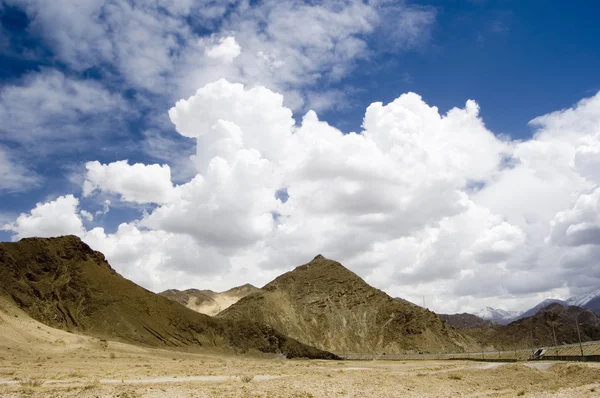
(209, 302)
(325, 305)
(466, 321)
(63, 283)
(538, 331)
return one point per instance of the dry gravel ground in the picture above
(181, 375)
(39, 361)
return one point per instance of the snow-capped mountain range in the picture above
(497, 315)
(589, 301)
(584, 299)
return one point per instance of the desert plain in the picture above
(39, 361)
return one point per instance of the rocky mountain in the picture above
(537, 330)
(64, 284)
(582, 301)
(466, 321)
(502, 317)
(537, 308)
(325, 305)
(209, 302)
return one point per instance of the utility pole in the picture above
(531, 335)
(579, 336)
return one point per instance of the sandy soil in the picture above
(42, 362)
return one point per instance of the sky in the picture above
(445, 151)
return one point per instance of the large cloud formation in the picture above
(418, 203)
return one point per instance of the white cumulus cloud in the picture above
(226, 50)
(53, 218)
(349, 195)
(136, 183)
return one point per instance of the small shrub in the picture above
(94, 384)
(521, 393)
(129, 394)
(455, 377)
(246, 378)
(112, 355)
(33, 382)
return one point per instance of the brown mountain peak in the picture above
(320, 275)
(324, 304)
(243, 288)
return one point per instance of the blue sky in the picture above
(518, 59)
(95, 82)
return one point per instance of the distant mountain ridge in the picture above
(209, 302)
(588, 301)
(554, 323)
